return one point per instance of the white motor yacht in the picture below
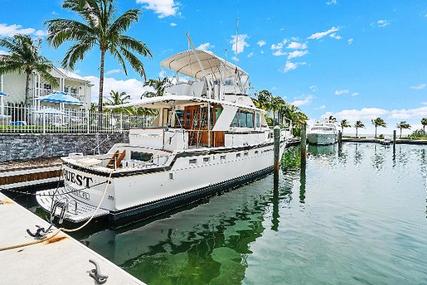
(208, 136)
(322, 133)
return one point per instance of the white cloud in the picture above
(261, 43)
(405, 114)
(278, 48)
(303, 101)
(350, 41)
(335, 36)
(331, 2)
(239, 43)
(355, 94)
(419, 86)
(11, 30)
(173, 24)
(235, 58)
(322, 107)
(206, 46)
(297, 45)
(341, 92)
(164, 8)
(297, 53)
(113, 71)
(289, 65)
(251, 54)
(383, 23)
(319, 35)
(423, 103)
(133, 87)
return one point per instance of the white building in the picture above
(13, 84)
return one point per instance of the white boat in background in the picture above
(208, 136)
(322, 133)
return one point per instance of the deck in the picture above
(60, 260)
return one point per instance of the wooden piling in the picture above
(339, 138)
(394, 142)
(276, 152)
(303, 144)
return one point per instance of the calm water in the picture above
(354, 216)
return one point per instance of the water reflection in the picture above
(378, 157)
(357, 155)
(322, 150)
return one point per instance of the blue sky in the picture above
(354, 59)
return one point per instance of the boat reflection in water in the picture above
(320, 150)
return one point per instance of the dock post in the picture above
(303, 144)
(394, 143)
(339, 138)
(276, 153)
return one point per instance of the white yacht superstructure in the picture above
(208, 136)
(322, 133)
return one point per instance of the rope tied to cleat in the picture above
(41, 234)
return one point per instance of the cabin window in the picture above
(258, 120)
(243, 119)
(246, 153)
(142, 156)
(256, 152)
(206, 159)
(222, 157)
(193, 161)
(238, 155)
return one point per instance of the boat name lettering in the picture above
(77, 178)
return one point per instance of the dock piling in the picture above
(394, 143)
(303, 144)
(276, 153)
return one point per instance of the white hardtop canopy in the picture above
(201, 63)
(168, 101)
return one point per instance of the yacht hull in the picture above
(321, 139)
(143, 194)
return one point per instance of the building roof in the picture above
(70, 75)
(201, 63)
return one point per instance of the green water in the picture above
(355, 216)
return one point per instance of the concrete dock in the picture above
(59, 260)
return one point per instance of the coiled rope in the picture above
(46, 238)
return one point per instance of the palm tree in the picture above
(158, 85)
(117, 98)
(265, 99)
(344, 124)
(98, 28)
(358, 125)
(378, 122)
(332, 119)
(277, 103)
(424, 123)
(402, 125)
(24, 58)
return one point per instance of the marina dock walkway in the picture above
(59, 260)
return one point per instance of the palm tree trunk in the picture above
(101, 81)
(375, 131)
(27, 86)
(356, 132)
(400, 135)
(424, 128)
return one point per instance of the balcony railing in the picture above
(28, 119)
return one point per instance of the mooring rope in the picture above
(46, 238)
